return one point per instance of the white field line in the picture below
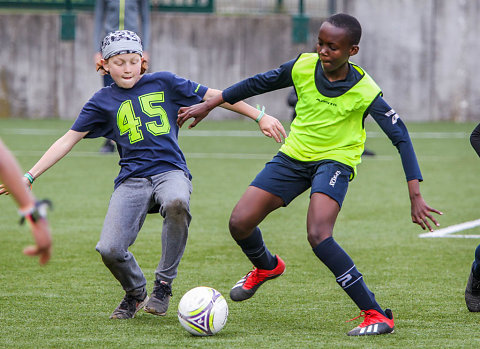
(448, 231)
(233, 133)
(223, 133)
(239, 156)
(441, 233)
(31, 131)
(426, 135)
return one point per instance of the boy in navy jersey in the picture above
(321, 152)
(139, 113)
(472, 291)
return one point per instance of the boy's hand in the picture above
(43, 241)
(271, 127)
(421, 213)
(197, 111)
(37, 220)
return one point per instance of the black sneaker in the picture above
(159, 299)
(129, 306)
(472, 293)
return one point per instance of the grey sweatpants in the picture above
(129, 205)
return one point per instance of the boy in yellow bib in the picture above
(321, 152)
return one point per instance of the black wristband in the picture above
(38, 211)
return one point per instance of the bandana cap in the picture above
(120, 42)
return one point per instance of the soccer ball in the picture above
(203, 311)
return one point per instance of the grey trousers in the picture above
(129, 205)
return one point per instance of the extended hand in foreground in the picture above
(37, 219)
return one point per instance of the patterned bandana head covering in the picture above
(120, 42)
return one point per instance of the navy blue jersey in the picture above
(142, 121)
(381, 112)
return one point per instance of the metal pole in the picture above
(279, 6)
(332, 7)
(300, 25)
(67, 28)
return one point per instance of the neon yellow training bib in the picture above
(325, 127)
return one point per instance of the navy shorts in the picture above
(288, 178)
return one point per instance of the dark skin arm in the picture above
(269, 125)
(198, 111)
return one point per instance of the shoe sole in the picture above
(154, 312)
(370, 334)
(368, 331)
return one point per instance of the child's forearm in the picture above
(244, 109)
(213, 98)
(56, 151)
(413, 188)
(11, 176)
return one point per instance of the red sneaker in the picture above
(374, 323)
(248, 285)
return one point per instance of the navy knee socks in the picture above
(346, 274)
(255, 249)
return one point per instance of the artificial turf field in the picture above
(67, 303)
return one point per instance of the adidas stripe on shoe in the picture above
(374, 323)
(248, 285)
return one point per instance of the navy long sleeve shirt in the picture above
(380, 111)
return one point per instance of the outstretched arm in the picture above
(396, 130)
(199, 111)
(269, 125)
(11, 177)
(56, 152)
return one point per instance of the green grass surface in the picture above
(67, 303)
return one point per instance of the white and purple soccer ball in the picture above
(203, 311)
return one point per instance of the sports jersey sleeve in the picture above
(475, 139)
(261, 83)
(187, 92)
(92, 120)
(397, 132)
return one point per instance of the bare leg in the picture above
(254, 205)
(321, 218)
